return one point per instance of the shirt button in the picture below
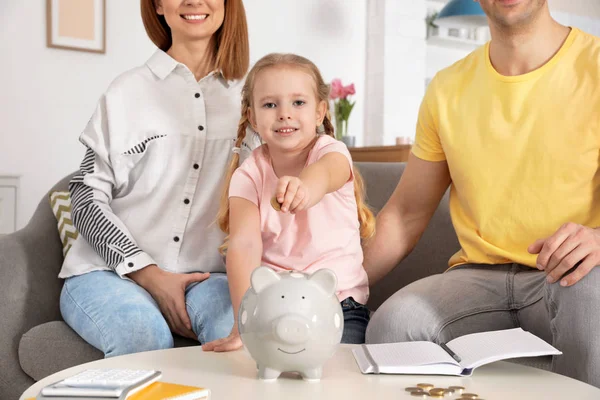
(196, 166)
(186, 201)
(130, 265)
(200, 128)
(176, 238)
(197, 95)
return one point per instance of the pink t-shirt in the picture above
(326, 235)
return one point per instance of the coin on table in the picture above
(420, 394)
(425, 386)
(413, 389)
(275, 204)
(457, 389)
(470, 396)
(437, 391)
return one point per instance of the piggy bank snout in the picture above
(292, 329)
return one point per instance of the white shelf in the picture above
(454, 43)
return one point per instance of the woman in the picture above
(146, 195)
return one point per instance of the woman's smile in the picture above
(194, 18)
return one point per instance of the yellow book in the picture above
(171, 391)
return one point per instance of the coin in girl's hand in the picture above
(275, 204)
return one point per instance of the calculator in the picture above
(116, 384)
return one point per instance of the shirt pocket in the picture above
(222, 125)
(142, 164)
(141, 147)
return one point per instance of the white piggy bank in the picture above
(291, 322)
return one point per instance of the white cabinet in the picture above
(9, 187)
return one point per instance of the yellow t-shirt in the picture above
(523, 151)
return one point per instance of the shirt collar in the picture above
(162, 64)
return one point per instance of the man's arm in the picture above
(405, 216)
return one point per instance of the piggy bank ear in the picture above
(325, 279)
(262, 277)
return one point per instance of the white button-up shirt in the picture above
(148, 190)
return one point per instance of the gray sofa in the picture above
(35, 342)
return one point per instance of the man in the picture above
(514, 130)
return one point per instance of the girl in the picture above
(296, 202)
(156, 150)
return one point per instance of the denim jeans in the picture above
(476, 298)
(117, 316)
(356, 319)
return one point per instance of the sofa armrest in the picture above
(30, 260)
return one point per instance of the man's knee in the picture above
(403, 317)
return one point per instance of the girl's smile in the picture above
(286, 131)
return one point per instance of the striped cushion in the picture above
(61, 207)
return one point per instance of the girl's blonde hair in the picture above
(231, 48)
(365, 216)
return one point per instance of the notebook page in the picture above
(406, 354)
(481, 348)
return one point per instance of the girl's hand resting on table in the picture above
(229, 343)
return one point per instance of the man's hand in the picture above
(230, 343)
(292, 194)
(168, 289)
(571, 246)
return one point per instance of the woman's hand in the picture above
(230, 343)
(168, 289)
(292, 194)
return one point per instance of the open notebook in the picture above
(431, 359)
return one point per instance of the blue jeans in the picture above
(356, 319)
(117, 316)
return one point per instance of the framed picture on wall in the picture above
(76, 25)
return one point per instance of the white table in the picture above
(233, 376)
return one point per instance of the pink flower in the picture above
(337, 90)
(348, 90)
